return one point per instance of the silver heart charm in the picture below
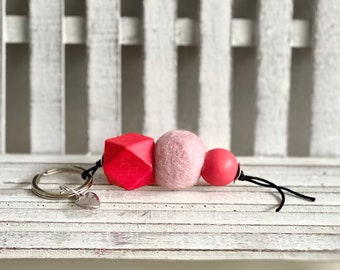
(89, 200)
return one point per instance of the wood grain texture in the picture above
(46, 77)
(104, 80)
(2, 77)
(160, 67)
(325, 125)
(215, 73)
(203, 222)
(273, 76)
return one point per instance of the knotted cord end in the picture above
(265, 183)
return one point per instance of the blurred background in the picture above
(243, 84)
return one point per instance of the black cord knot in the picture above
(91, 171)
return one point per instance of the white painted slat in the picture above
(104, 82)
(215, 73)
(74, 30)
(16, 29)
(2, 77)
(325, 126)
(46, 77)
(160, 67)
(186, 32)
(273, 76)
(131, 31)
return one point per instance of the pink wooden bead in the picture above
(220, 167)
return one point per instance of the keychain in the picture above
(176, 161)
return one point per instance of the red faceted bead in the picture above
(220, 167)
(128, 160)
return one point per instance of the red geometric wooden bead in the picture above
(220, 167)
(128, 160)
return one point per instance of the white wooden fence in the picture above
(274, 33)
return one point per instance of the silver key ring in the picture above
(65, 192)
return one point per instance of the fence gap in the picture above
(244, 106)
(75, 88)
(187, 70)
(132, 89)
(132, 75)
(301, 89)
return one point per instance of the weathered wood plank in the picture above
(160, 67)
(325, 125)
(2, 77)
(46, 77)
(215, 73)
(75, 215)
(224, 196)
(104, 82)
(163, 227)
(161, 206)
(171, 241)
(273, 76)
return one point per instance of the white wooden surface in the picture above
(274, 61)
(203, 222)
(104, 82)
(47, 99)
(215, 73)
(160, 66)
(325, 124)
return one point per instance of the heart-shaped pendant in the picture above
(89, 200)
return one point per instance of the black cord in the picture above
(265, 183)
(91, 171)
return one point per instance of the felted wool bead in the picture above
(128, 160)
(178, 159)
(220, 167)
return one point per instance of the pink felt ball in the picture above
(220, 167)
(178, 159)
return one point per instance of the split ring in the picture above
(64, 194)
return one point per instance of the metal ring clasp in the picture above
(64, 193)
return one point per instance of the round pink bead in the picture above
(220, 167)
(179, 157)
